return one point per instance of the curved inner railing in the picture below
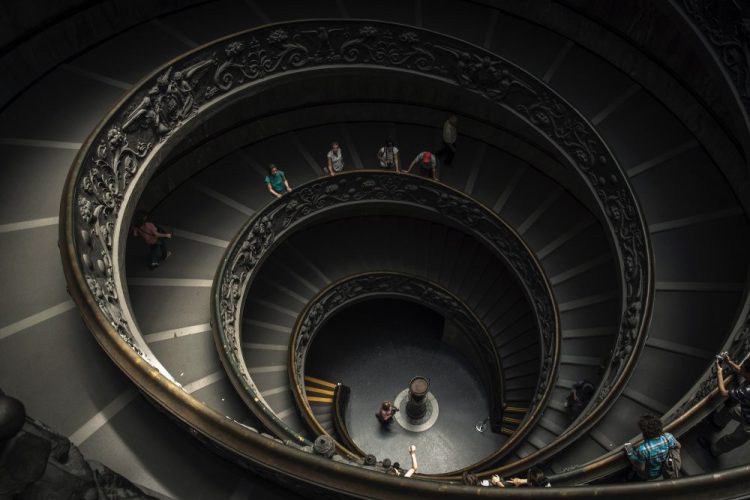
(340, 401)
(348, 291)
(124, 151)
(696, 405)
(372, 190)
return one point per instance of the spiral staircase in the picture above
(609, 140)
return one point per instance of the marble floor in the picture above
(376, 347)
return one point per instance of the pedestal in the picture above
(419, 406)
(416, 406)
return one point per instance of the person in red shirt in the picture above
(427, 165)
(386, 412)
(153, 236)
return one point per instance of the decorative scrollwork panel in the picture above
(345, 191)
(102, 187)
(388, 284)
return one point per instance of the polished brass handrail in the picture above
(699, 402)
(372, 188)
(616, 460)
(124, 150)
(340, 400)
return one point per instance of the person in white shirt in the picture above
(450, 135)
(388, 156)
(335, 159)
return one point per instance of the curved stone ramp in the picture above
(73, 97)
(557, 227)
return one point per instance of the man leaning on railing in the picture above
(651, 459)
(740, 412)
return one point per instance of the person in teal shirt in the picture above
(276, 181)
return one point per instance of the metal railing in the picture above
(350, 290)
(340, 402)
(120, 156)
(371, 190)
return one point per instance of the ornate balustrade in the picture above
(372, 191)
(697, 404)
(126, 148)
(348, 291)
(723, 27)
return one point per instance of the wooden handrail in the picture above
(340, 401)
(616, 459)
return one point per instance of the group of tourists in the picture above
(658, 456)
(387, 157)
(278, 184)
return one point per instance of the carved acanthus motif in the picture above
(391, 284)
(283, 217)
(169, 102)
(726, 26)
(179, 93)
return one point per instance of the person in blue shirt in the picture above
(649, 457)
(276, 181)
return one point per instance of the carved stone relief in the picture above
(165, 103)
(291, 212)
(726, 26)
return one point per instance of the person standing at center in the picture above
(335, 159)
(386, 413)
